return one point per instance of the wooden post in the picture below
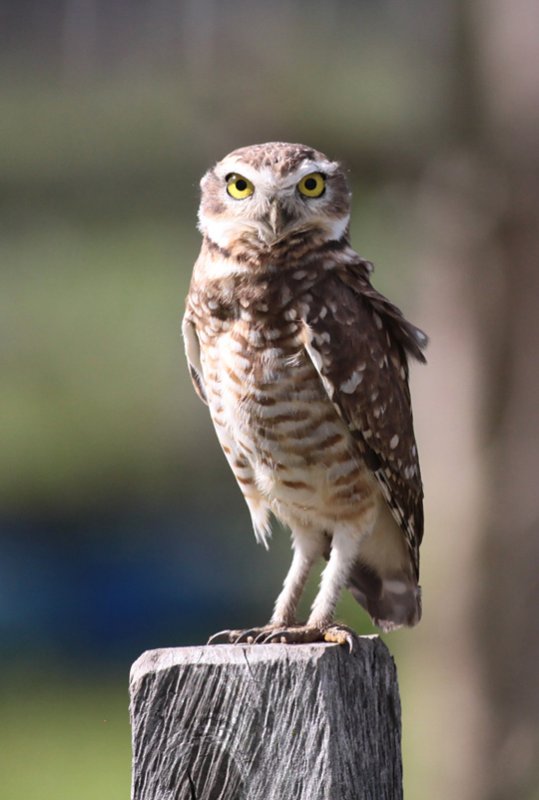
(266, 722)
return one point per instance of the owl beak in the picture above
(277, 217)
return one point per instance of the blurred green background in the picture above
(122, 529)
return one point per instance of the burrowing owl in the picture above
(303, 365)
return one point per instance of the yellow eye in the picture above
(238, 187)
(312, 185)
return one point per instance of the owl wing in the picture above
(359, 341)
(192, 352)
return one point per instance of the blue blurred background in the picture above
(121, 527)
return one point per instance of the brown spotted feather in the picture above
(362, 341)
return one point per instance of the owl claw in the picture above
(243, 636)
(262, 636)
(340, 634)
(225, 635)
(277, 636)
(248, 636)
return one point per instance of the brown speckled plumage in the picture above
(304, 367)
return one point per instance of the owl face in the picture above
(265, 193)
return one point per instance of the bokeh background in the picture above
(122, 529)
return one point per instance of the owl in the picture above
(304, 368)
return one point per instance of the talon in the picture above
(262, 637)
(339, 634)
(275, 637)
(241, 636)
(297, 634)
(247, 637)
(221, 634)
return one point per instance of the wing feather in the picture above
(359, 341)
(192, 352)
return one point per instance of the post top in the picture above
(167, 657)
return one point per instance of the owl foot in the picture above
(290, 634)
(305, 634)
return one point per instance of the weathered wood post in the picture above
(266, 722)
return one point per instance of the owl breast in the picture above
(280, 432)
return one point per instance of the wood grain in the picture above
(266, 722)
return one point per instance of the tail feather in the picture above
(392, 602)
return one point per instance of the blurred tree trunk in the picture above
(508, 625)
(481, 211)
(507, 300)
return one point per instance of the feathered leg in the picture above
(320, 627)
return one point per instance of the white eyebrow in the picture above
(266, 176)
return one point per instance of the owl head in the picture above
(267, 192)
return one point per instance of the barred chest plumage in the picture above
(287, 445)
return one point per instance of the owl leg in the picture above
(320, 627)
(345, 546)
(308, 547)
